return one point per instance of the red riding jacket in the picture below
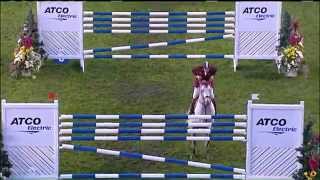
(199, 71)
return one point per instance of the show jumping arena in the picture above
(254, 36)
(271, 133)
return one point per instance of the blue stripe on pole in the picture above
(215, 19)
(222, 176)
(131, 124)
(84, 124)
(216, 13)
(83, 176)
(224, 116)
(139, 46)
(99, 56)
(142, 56)
(177, 25)
(213, 38)
(215, 31)
(102, 25)
(177, 13)
(102, 31)
(177, 138)
(102, 19)
(130, 116)
(221, 138)
(140, 25)
(224, 124)
(129, 175)
(82, 138)
(215, 25)
(84, 148)
(176, 161)
(129, 130)
(130, 155)
(175, 42)
(139, 31)
(102, 13)
(80, 130)
(221, 167)
(175, 130)
(214, 56)
(177, 56)
(221, 131)
(102, 50)
(84, 116)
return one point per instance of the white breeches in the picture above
(196, 91)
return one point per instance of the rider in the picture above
(203, 72)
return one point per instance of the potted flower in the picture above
(290, 59)
(29, 54)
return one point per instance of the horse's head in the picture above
(205, 93)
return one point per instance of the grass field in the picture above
(159, 86)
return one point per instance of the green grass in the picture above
(160, 86)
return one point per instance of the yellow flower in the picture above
(313, 173)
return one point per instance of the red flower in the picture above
(27, 42)
(314, 163)
(294, 38)
(52, 96)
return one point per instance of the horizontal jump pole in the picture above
(152, 125)
(158, 44)
(152, 116)
(147, 25)
(151, 158)
(151, 175)
(159, 56)
(168, 13)
(150, 131)
(158, 31)
(191, 20)
(151, 138)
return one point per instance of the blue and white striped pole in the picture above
(151, 20)
(159, 56)
(150, 13)
(152, 125)
(151, 158)
(157, 31)
(152, 116)
(151, 131)
(147, 25)
(152, 138)
(158, 44)
(151, 175)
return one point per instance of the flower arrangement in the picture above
(310, 156)
(291, 57)
(29, 55)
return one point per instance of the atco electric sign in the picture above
(258, 13)
(275, 126)
(62, 13)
